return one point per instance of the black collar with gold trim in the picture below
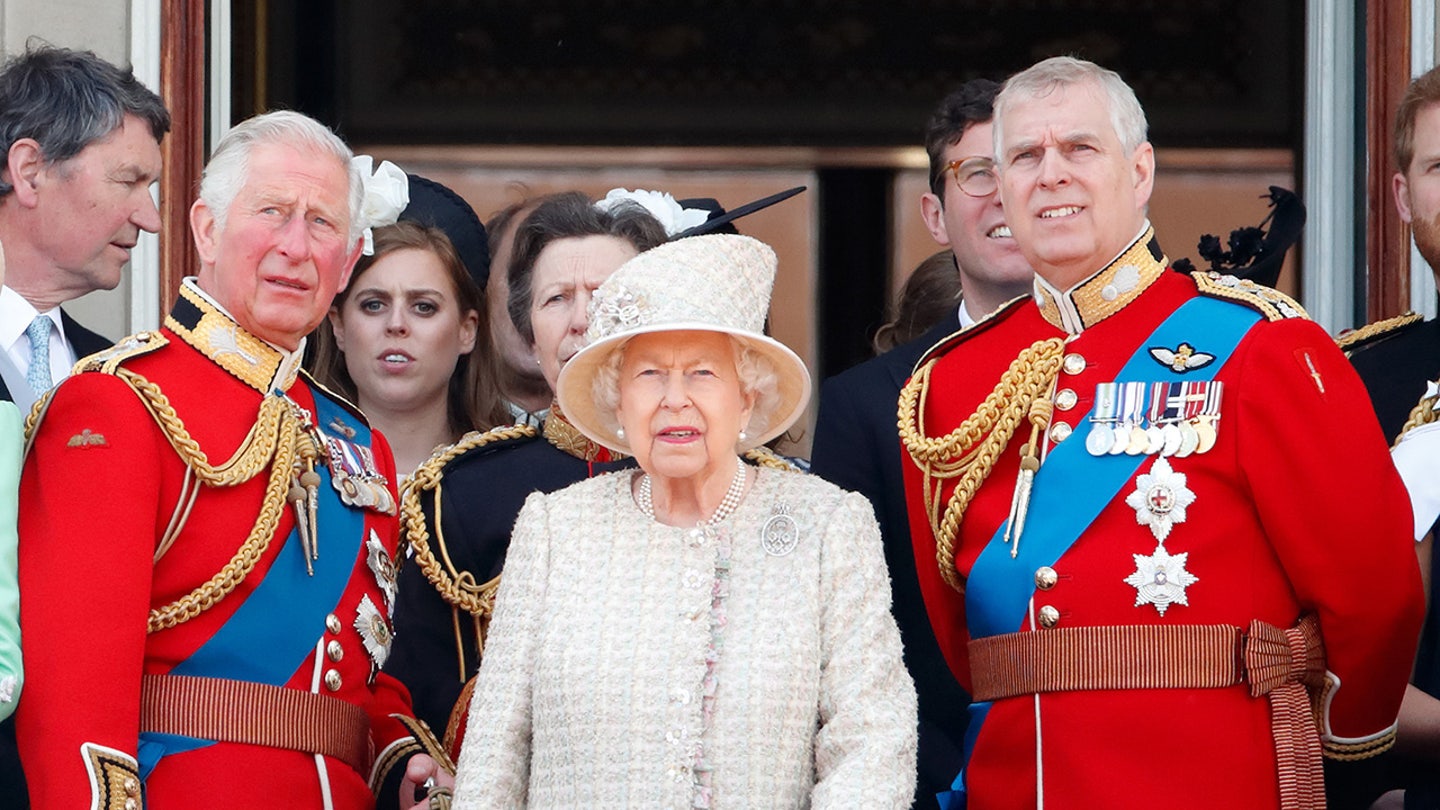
(1106, 292)
(559, 432)
(201, 323)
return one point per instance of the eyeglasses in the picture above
(974, 176)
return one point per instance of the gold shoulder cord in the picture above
(1422, 414)
(277, 438)
(969, 452)
(763, 456)
(1350, 340)
(457, 588)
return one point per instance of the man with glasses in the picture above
(856, 445)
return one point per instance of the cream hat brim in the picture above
(575, 388)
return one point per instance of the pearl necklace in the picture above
(731, 502)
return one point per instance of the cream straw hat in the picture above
(711, 283)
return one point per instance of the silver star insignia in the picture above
(1160, 579)
(1160, 498)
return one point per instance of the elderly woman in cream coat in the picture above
(698, 633)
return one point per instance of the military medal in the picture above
(355, 476)
(374, 633)
(1101, 437)
(383, 568)
(1160, 498)
(1119, 431)
(1209, 416)
(1132, 396)
(1192, 401)
(1154, 435)
(1160, 579)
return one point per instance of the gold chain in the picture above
(970, 451)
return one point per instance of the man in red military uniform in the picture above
(1158, 532)
(207, 537)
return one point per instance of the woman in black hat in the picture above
(408, 341)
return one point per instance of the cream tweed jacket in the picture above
(633, 664)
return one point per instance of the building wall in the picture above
(102, 26)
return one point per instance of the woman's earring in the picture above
(743, 436)
(620, 433)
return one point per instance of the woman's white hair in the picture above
(757, 376)
(1127, 118)
(226, 172)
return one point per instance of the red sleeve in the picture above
(88, 512)
(1337, 516)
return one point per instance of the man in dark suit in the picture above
(857, 445)
(1399, 360)
(81, 145)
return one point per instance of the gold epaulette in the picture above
(1371, 333)
(457, 589)
(765, 457)
(107, 360)
(1270, 302)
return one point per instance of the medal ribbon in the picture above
(252, 645)
(1072, 487)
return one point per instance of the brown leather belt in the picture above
(1277, 663)
(256, 714)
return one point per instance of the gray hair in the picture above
(66, 100)
(757, 375)
(1041, 79)
(225, 174)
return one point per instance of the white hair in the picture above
(226, 172)
(1041, 79)
(756, 373)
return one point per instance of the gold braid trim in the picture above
(276, 439)
(456, 588)
(765, 457)
(1369, 331)
(1422, 414)
(970, 451)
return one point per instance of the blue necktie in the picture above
(38, 375)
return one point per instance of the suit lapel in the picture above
(83, 341)
(901, 360)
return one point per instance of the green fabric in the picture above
(11, 441)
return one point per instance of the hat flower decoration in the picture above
(674, 217)
(709, 283)
(387, 192)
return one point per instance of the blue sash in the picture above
(275, 630)
(1072, 487)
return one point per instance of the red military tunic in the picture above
(1296, 510)
(107, 539)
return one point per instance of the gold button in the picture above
(1074, 363)
(1065, 399)
(1059, 432)
(1049, 616)
(332, 623)
(132, 786)
(334, 650)
(1045, 577)
(332, 680)
(142, 337)
(131, 804)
